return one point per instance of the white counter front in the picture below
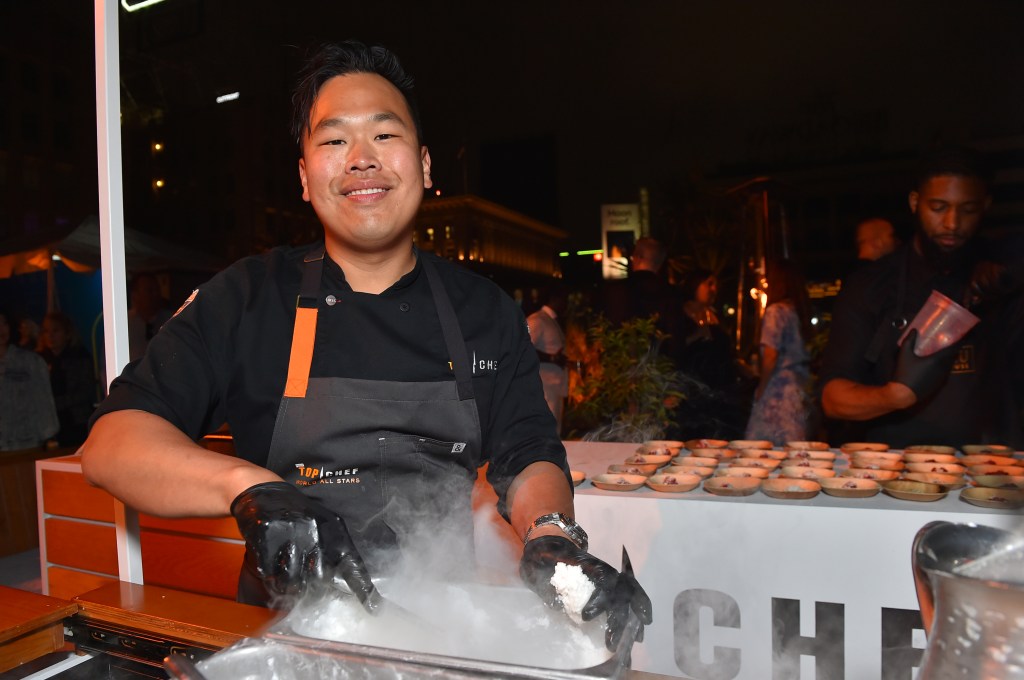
(759, 588)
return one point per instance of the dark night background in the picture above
(552, 108)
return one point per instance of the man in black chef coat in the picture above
(970, 393)
(364, 381)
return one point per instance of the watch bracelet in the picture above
(557, 519)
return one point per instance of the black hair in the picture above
(959, 161)
(786, 282)
(692, 280)
(342, 58)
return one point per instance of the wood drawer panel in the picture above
(69, 495)
(67, 583)
(81, 545)
(19, 530)
(221, 527)
(193, 564)
(31, 646)
(23, 612)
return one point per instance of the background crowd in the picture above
(671, 324)
(50, 381)
(858, 377)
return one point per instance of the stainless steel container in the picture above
(284, 655)
(970, 585)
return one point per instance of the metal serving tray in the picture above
(284, 655)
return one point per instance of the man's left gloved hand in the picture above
(614, 592)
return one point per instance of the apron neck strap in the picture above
(304, 332)
(312, 273)
(451, 330)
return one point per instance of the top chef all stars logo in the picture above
(310, 475)
(481, 365)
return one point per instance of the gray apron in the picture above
(396, 460)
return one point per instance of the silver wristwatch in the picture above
(573, 531)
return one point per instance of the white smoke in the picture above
(482, 611)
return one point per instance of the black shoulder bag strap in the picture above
(897, 321)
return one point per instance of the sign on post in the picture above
(620, 229)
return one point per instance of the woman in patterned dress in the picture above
(782, 403)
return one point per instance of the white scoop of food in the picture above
(574, 589)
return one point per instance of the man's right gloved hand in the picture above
(923, 375)
(294, 541)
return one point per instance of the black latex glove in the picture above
(614, 592)
(923, 375)
(294, 541)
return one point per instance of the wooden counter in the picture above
(30, 626)
(78, 545)
(186, 617)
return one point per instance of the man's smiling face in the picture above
(362, 166)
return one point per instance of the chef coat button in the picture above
(331, 300)
(404, 306)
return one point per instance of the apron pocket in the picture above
(425, 481)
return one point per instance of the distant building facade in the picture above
(493, 240)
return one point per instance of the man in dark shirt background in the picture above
(969, 393)
(645, 292)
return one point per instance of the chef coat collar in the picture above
(335, 275)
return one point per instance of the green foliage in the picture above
(625, 391)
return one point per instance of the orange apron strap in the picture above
(302, 353)
(304, 331)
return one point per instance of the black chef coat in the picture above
(224, 356)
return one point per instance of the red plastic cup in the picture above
(940, 323)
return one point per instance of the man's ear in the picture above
(425, 159)
(913, 199)
(302, 178)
